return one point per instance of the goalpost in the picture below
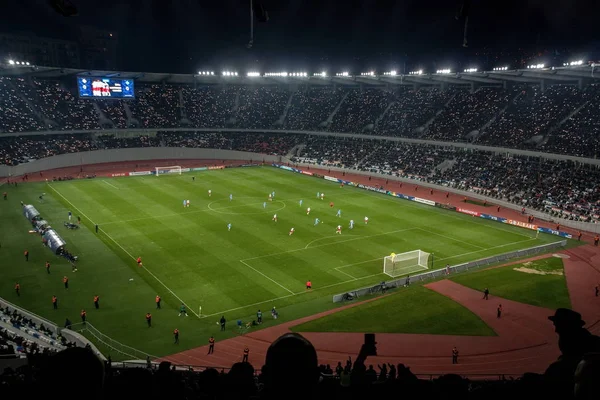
(399, 264)
(176, 169)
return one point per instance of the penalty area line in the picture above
(351, 280)
(110, 184)
(126, 252)
(271, 279)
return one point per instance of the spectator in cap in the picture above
(574, 341)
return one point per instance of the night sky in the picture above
(188, 35)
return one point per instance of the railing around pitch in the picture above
(113, 345)
(438, 273)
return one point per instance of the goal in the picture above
(176, 169)
(400, 264)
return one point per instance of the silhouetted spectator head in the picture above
(76, 368)
(587, 383)
(291, 368)
(240, 380)
(566, 320)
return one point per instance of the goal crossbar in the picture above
(404, 263)
(175, 169)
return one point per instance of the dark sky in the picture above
(188, 35)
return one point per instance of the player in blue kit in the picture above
(264, 204)
(351, 224)
(339, 213)
(317, 221)
(230, 197)
(300, 202)
(229, 226)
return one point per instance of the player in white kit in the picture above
(308, 211)
(275, 217)
(366, 220)
(291, 232)
(209, 192)
(338, 229)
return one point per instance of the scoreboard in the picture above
(105, 88)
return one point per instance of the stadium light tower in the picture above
(443, 71)
(419, 72)
(253, 74)
(470, 70)
(500, 68)
(343, 74)
(11, 62)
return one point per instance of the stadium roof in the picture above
(567, 75)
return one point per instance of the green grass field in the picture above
(415, 310)
(546, 288)
(189, 255)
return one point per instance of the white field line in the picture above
(325, 237)
(271, 279)
(192, 212)
(451, 238)
(126, 252)
(345, 273)
(354, 279)
(110, 184)
(328, 244)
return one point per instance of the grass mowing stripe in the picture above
(453, 239)
(122, 248)
(445, 214)
(271, 279)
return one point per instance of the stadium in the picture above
(414, 230)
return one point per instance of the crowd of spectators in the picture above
(532, 114)
(291, 371)
(561, 118)
(467, 112)
(260, 107)
(15, 114)
(411, 110)
(20, 336)
(537, 183)
(310, 108)
(360, 109)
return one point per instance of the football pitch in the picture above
(191, 257)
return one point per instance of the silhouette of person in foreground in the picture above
(574, 341)
(291, 369)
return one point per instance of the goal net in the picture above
(176, 169)
(404, 263)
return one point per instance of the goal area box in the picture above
(400, 264)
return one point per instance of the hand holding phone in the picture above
(370, 344)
